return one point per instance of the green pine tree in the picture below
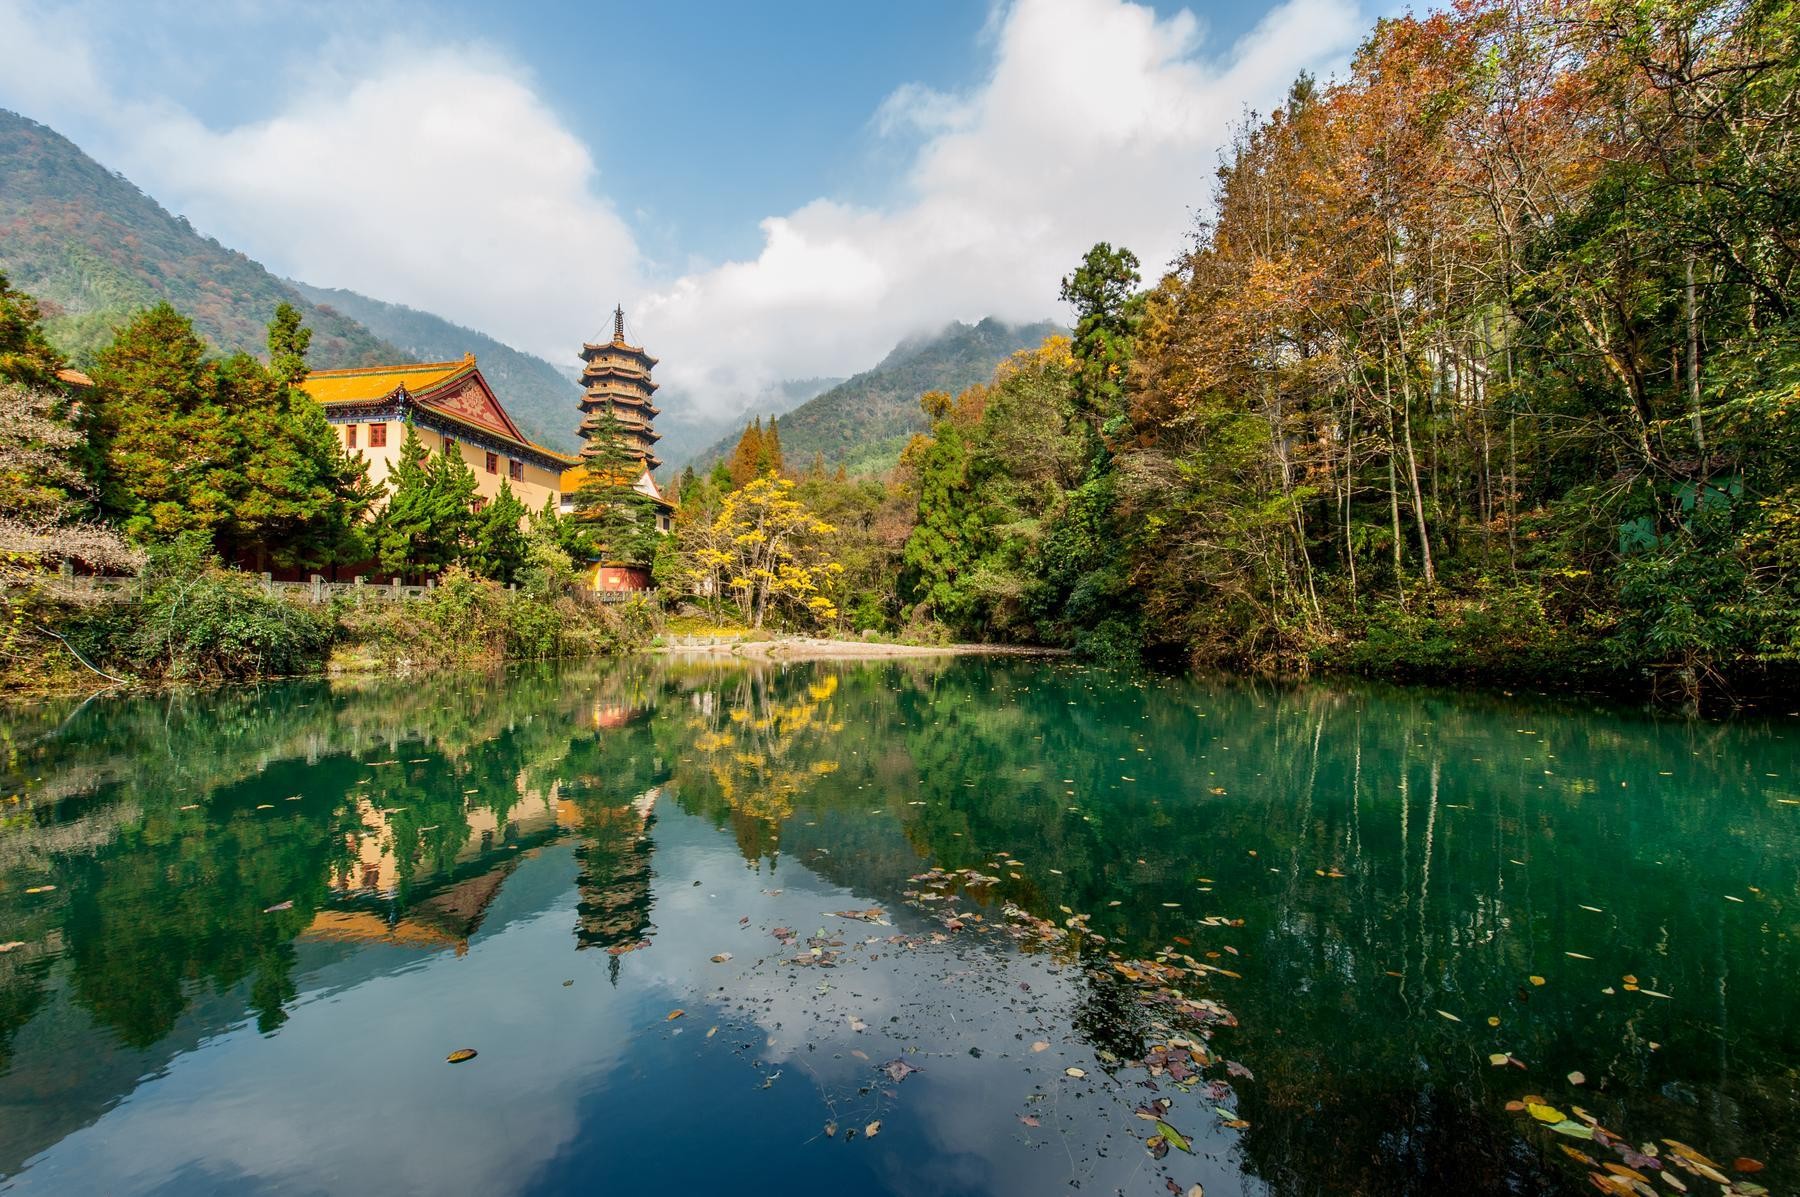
(500, 545)
(620, 518)
(403, 528)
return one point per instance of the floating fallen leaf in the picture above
(1493, 1020)
(1577, 1078)
(1449, 1016)
(1029, 1119)
(873, 1129)
(1745, 1164)
(287, 905)
(898, 1070)
(1040, 1045)
(1497, 1059)
(461, 1054)
(1175, 1138)
(721, 958)
(39, 889)
(11, 946)
(672, 1015)
(1077, 1073)
(1577, 956)
(1536, 980)
(711, 1031)
(1544, 1113)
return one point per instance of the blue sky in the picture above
(775, 190)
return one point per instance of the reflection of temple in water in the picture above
(375, 864)
(614, 882)
(445, 920)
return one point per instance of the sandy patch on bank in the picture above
(791, 648)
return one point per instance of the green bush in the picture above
(1497, 634)
(191, 619)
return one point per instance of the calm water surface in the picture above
(243, 930)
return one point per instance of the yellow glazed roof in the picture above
(573, 478)
(365, 383)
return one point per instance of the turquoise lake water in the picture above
(970, 926)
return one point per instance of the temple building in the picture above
(451, 407)
(616, 378)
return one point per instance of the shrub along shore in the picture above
(189, 619)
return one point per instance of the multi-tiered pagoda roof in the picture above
(616, 378)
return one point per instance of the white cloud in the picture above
(1098, 121)
(441, 181)
(434, 175)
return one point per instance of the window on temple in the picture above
(377, 436)
(449, 444)
(515, 470)
(479, 503)
(493, 463)
(349, 436)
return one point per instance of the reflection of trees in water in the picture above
(753, 743)
(1423, 804)
(154, 903)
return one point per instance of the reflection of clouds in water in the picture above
(294, 1110)
(782, 1000)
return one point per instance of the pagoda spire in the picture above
(619, 325)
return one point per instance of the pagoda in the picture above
(616, 377)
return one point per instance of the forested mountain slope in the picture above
(92, 248)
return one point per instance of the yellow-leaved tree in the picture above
(767, 550)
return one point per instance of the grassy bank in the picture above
(188, 619)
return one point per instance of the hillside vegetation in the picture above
(864, 422)
(93, 249)
(692, 431)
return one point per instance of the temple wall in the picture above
(532, 489)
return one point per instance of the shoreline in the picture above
(816, 648)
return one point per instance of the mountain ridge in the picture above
(864, 421)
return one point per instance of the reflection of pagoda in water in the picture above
(614, 882)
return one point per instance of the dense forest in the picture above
(1484, 364)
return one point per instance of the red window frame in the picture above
(493, 463)
(378, 436)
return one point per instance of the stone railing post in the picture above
(318, 588)
(268, 581)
